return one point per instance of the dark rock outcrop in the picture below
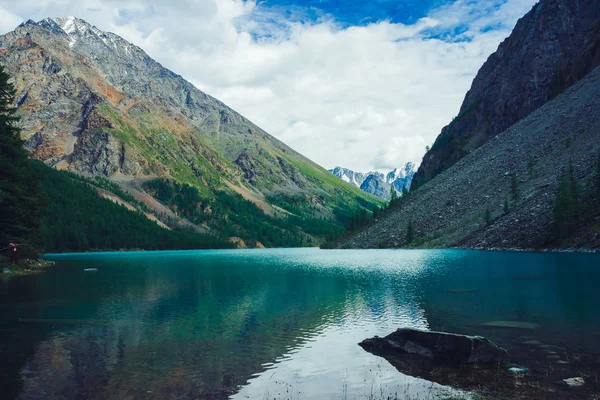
(553, 46)
(436, 346)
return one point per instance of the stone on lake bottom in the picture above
(515, 370)
(533, 342)
(574, 382)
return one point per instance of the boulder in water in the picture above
(436, 346)
(574, 382)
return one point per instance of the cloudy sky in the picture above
(364, 84)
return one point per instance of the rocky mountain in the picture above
(400, 178)
(355, 178)
(505, 194)
(553, 46)
(377, 183)
(95, 104)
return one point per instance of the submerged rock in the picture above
(518, 370)
(574, 382)
(511, 324)
(439, 346)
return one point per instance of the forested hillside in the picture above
(75, 218)
(45, 210)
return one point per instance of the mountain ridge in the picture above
(378, 183)
(93, 103)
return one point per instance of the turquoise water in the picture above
(274, 324)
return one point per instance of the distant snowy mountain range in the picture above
(377, 183)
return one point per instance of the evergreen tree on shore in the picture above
(19, 192)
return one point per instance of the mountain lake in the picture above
(279, 323)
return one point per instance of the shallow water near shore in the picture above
(278, 324)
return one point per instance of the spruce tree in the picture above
(393, 196)
(404, 191)
(575, 191)
(19, 198)
(488, 216)
(530, 166)
(562, 205)
(410, 232)
(514, 188)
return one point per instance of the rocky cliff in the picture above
(553, 46)
(512, 178)
(93, 103)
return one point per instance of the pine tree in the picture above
(410, 232)
(562, 204)
(575, 191)
(514, 188)
(393, 196)
(567, 205)
(19, 199)
(404, 191)
(487, 216)
(530, 166)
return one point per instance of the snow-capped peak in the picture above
(71, 26)
(400, 173)
(77, 30)
(398, 178)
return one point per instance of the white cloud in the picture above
(367, 97)
(8, 20)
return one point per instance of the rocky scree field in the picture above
(450, 210)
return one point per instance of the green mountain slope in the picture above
(75, 218)
(95, 104)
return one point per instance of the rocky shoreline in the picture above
(25, 267)
(532, 250)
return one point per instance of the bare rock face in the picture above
(436, 346)
(375, 185)
(553, 46)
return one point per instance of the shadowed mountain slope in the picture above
(553, 46)
(514, 179)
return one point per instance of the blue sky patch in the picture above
(351, 12)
